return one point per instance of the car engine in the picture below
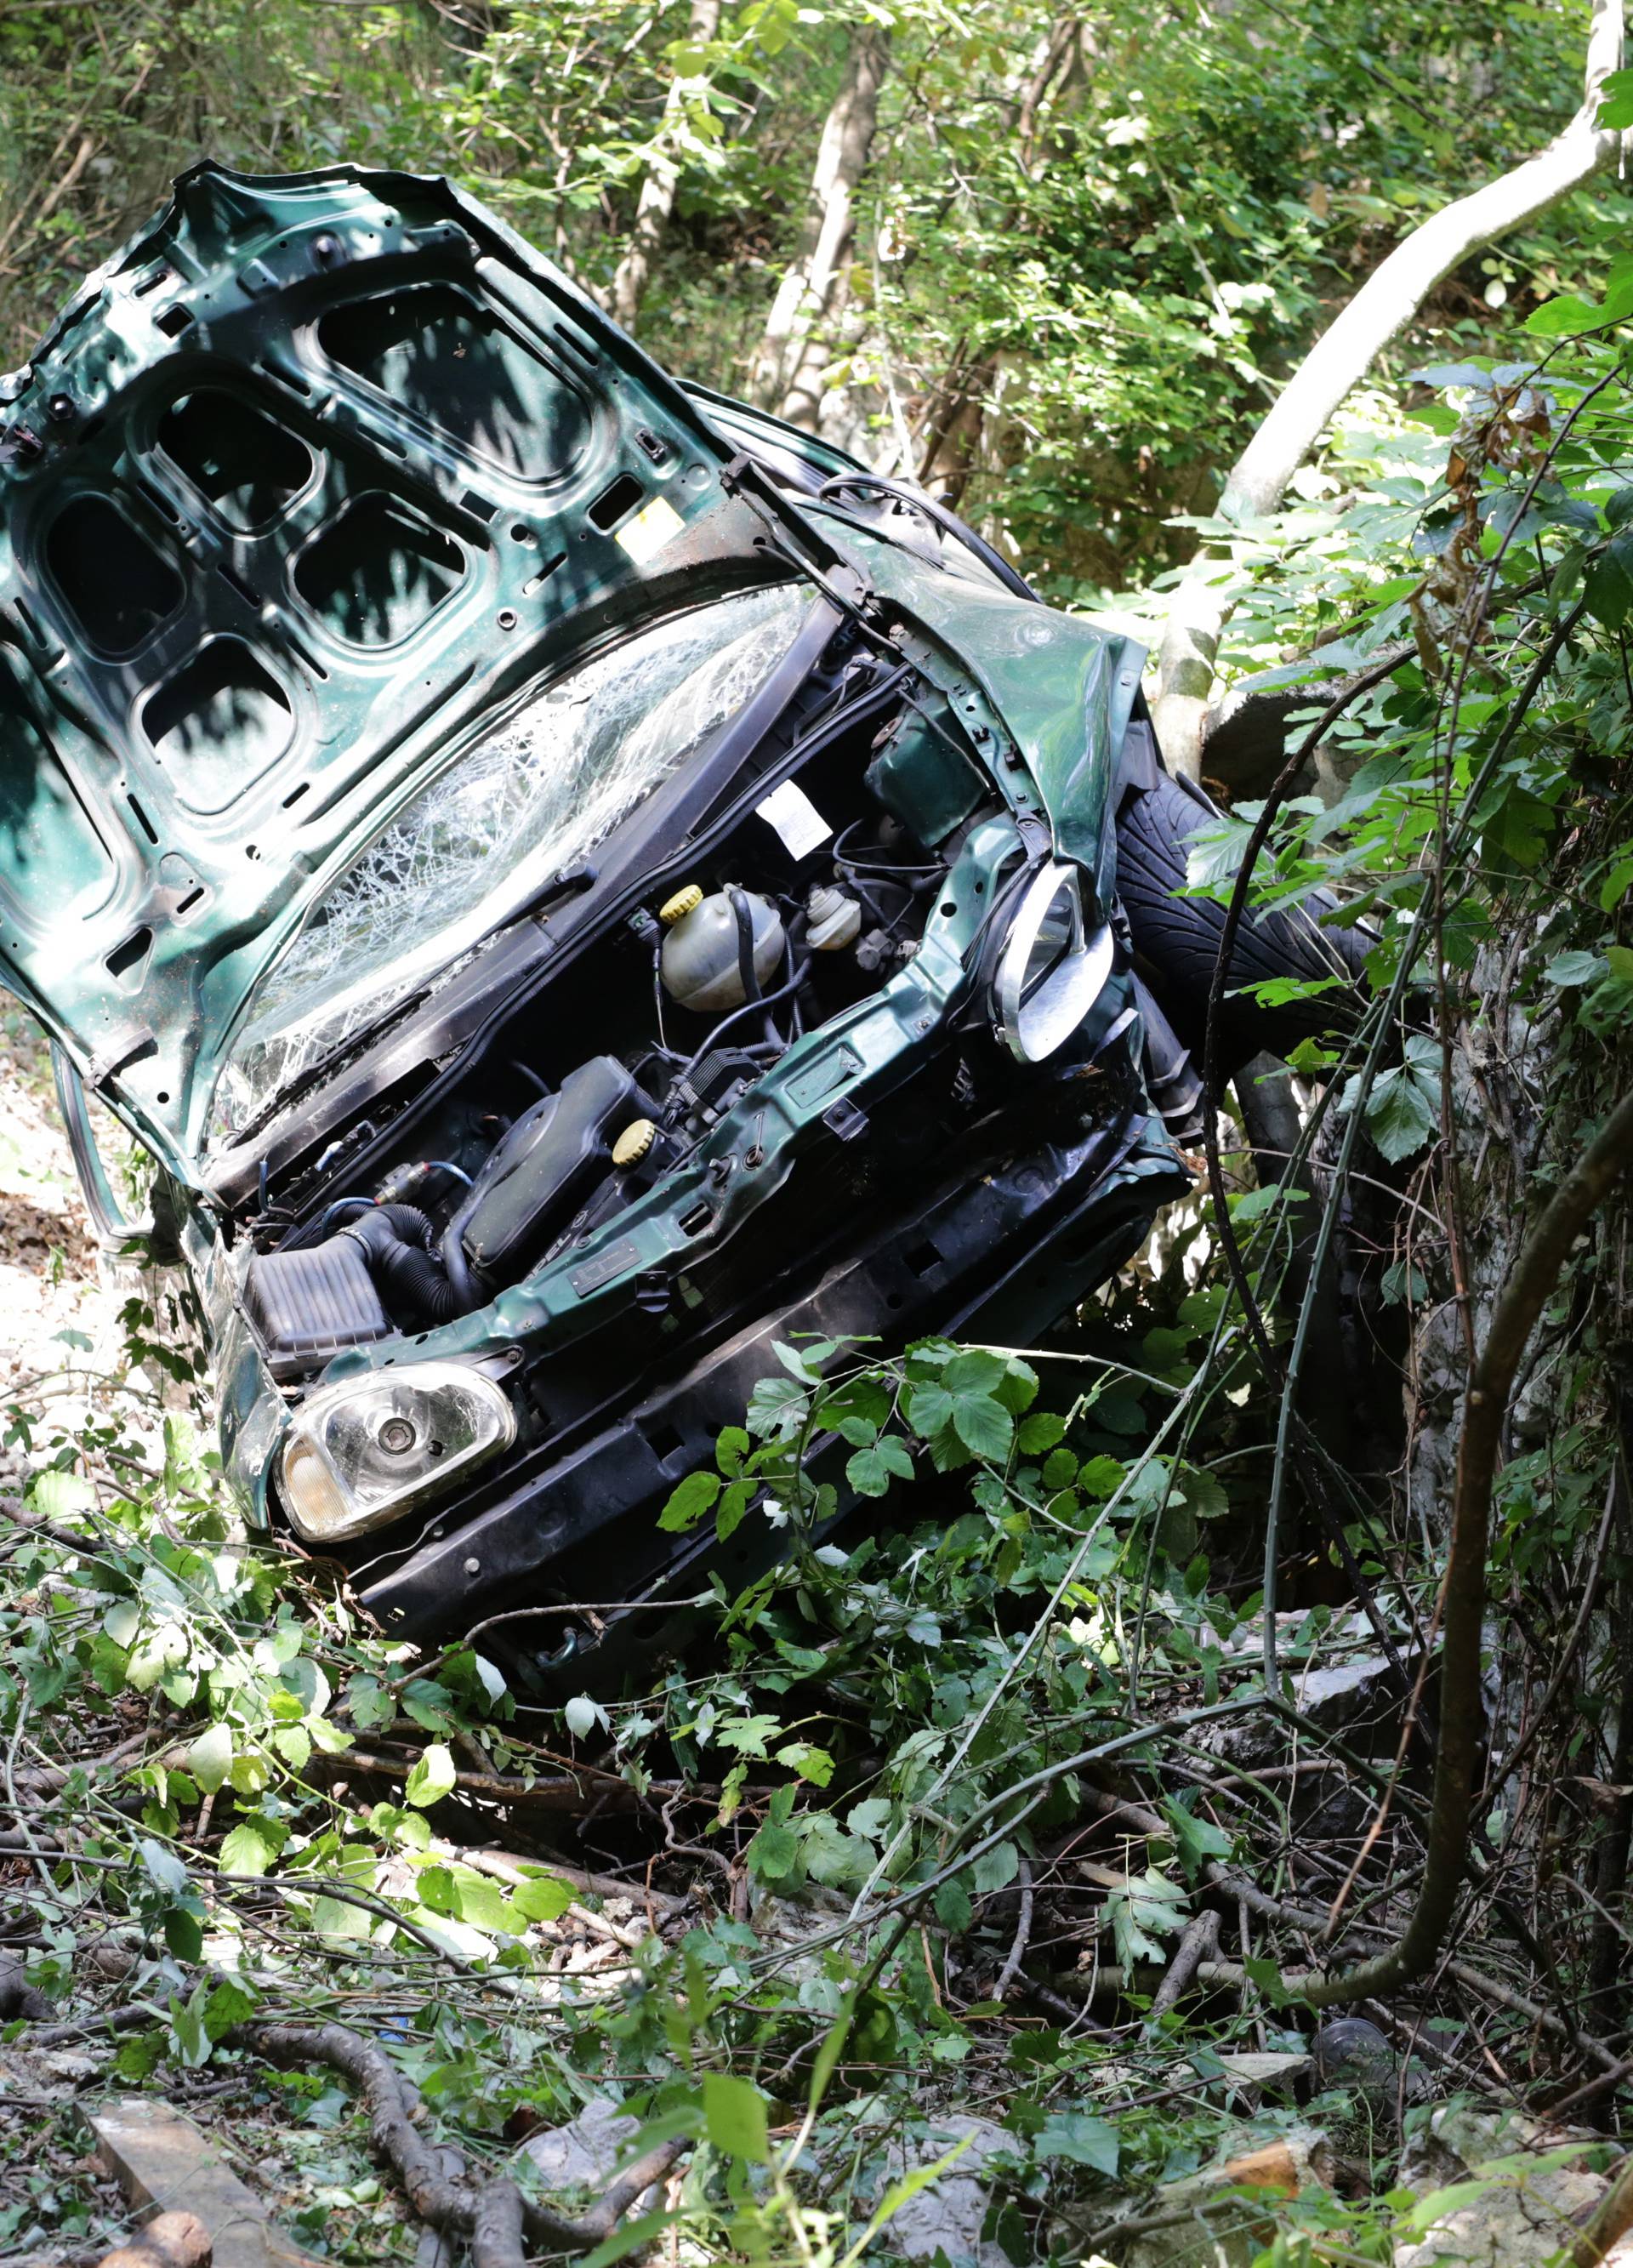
(609, 1077)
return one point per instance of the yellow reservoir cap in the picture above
(677, 907)
(634, 1143)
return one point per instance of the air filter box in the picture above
(308, 1305)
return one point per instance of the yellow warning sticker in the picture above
(650, 530)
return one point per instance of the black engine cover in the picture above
(544, 1168)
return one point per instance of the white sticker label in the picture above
(650, 530)
(795, 818)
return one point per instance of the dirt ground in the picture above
(60, 1336)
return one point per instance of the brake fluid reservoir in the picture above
(700, 953)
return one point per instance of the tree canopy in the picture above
(1064, 257)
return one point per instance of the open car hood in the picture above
(314, 477)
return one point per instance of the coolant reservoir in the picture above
(700, 954)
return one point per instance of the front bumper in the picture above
(999, 1258)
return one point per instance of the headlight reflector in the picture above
(370, 1448)
(1051, 971)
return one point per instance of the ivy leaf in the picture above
(1148, 1909)
(1196, 1840)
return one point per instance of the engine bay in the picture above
(679, 982)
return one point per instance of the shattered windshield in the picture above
(473, 848)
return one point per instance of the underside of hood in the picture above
(315, 476)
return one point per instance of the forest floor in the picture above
(232, 1807)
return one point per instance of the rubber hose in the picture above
(395, 1241)
(320, 1227)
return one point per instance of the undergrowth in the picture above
(998, 1818)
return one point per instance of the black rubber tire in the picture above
(1176, 939)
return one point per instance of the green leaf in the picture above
(1267, 1978)
(689, 1502)
(165, 1868)
(1575, 968)
(1039, 1432)
(734, 2113)
(733, 1509)
(1085, 2140)
(229, 2004)
(542, 1897)
(812, 1763)
(997, 1869)
(953, 1909)
(1608, 585)
(1196, 1840)
(1615, 109)
(974, 1371)
(984, 1424)
(630, 2236)
(871, 1471)
(431, 1778)
(251, 1846)
(184, 1934)
(930, 1408)
(139, 2059)
(777, 1408)
(209, 1757)
(774, 1853)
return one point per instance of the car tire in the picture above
(1176, 939)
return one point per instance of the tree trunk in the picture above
(962, 439)
(1341, 356)
(656, 202)
(788, 368)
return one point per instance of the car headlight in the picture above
(1051, 969)
(366, 1451)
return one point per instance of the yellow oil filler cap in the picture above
(634, 1143)
(677, 907)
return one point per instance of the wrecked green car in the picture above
(570, 879)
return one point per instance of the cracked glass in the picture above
(473, 848)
